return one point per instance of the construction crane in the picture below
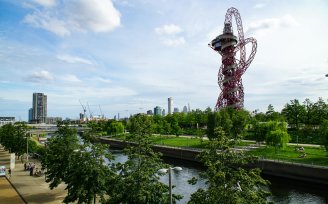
(89, 111)
(231, 70)
(84, 110)
(102, 115)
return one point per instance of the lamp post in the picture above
(164, 171)
(27, 137)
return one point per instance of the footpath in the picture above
(23, 188)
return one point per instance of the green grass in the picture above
(179, 141)
(315, 156)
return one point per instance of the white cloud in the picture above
(174, 41)
(45, 3)
(40, 76)
(70, 78)
(100, 79)
(259, 5)
(75, 16)
(271, 24)
(74, 59)
(170, 29)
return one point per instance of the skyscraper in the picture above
(185, 109)
(169, 105)
(157, 110)
(39, 108)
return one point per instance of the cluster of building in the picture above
(38, 113)
(159, 111)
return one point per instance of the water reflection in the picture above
(283, 190)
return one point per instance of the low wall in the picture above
(303, 172)
(309, 173)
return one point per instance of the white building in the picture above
(6, 120)
(169, 105)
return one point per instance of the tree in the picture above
(227, 181)
(294, 113)
(138, 179)
(276, 134)
(324, 134)
(259, 129)
(12, 137)
(57, 157)
(211, 124)
(89, 173)
(116, 128)
(239, 120)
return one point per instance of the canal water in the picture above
(283, 190)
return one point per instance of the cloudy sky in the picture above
(130, 56)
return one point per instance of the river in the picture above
(283, 190)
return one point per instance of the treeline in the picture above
(91, 173)
(305, 122)
(15, 138)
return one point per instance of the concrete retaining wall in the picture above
(303, 172)
(309, 173)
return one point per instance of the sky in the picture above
(120, 56)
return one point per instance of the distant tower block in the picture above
(169, 105)
(232, 68)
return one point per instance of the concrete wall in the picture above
(301, 172)
(296, 171)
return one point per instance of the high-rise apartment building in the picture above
(39, 108)
(157, 110)
(185, 109)
(169, 105)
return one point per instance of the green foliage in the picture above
(314, 155)
(294, 113)
(138, 179)
(227, 181)
(231, 120)
(276, 134)
(58, 155)
(89, 173)
(13, 138)
(324, 134)
(115, 128)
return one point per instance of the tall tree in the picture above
(57, 157)
(276, 134)
(89, 174)
(324, 134)
(294, 113)
(138, 179)
(227, 181)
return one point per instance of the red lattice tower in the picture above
(232, 68)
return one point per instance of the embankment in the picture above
(302, 172)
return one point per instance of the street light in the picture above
(164, 171)
(27, 137)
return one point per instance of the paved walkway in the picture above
(32, 189)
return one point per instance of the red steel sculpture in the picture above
(231, 70)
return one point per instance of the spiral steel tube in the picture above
(231, 70)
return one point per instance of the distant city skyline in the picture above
(130, 56)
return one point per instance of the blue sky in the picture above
(130, 56)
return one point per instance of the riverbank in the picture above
(302, 172)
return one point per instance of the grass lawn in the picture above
(315, 156)
(179, 141)
(174, 141)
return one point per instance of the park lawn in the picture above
(189, 142)
(174, 141)
(314, 155)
